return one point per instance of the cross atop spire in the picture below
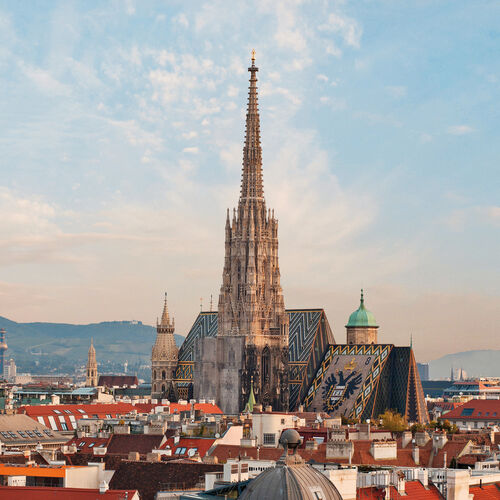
(251, 179)
(165, 317)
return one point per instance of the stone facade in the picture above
(252, 337)
(362, 335)
(164, 358)
(91, 374)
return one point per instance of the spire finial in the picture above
(362, 301)
(253, 55)
(165, 318)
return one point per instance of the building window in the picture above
(282, 421)
(154, 375)
(269, 439)
(163, 375)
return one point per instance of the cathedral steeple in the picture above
(91, 375)
(251, 304)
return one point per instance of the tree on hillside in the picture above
(393, 421)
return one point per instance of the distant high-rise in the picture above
(3, 348)
(164, 357)
(91, 375)
(252, 336)
(423, 370)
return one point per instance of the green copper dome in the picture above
(361, 317)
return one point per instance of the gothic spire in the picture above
(251, 179)
(165, 318)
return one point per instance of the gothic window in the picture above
(163, 375)
(266, 365)
(163, 388)
(154, 375)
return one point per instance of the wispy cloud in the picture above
(459, 129)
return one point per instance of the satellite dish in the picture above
(217, 435)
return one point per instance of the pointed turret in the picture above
(164, 356)
(91, 375)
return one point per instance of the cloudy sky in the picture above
(121, 142)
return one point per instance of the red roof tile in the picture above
(46, 493)
(486, 492)
(414, 490)
(87, 444)
(185, 445)
(117, 380)
(123, 444)
(64, 417)
(479, 409)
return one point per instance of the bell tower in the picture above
(164, 358)
(91, 375)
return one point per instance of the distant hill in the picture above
(56, 346)
(475, 363)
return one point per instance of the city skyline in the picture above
(119, 166)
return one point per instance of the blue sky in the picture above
(122, 126)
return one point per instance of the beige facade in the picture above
(164, 357)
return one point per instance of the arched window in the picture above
(163, 375)
(266, 365)
(163, 388)
(154, 374)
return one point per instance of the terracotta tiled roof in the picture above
(21, 459)
(87, 444)
(117, 380)
(64, 417)
(444, 405)
(45, 493)
(414, 490)
(476, 409)
(185, 445)
(151, 477)
(123, 444)
(486, 492)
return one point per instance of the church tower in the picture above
(91, 376)
(164, 358)
(252, 322)
(362, 327)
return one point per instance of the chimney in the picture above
(406, 439)
(398, 479)
(311, 444)
(415, 453)
(153, 457)
(457, 484)
(301, 408)
(268, 409)
(134, 456)
(423, 477)
(439, 439)
(103, 487)
(421, 438)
